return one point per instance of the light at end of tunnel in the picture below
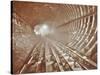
(42, 29)
(44, 26)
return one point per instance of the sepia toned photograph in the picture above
(52, 37)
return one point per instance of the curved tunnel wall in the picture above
(71, 46)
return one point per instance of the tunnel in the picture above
(51, 37)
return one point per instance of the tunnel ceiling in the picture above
(46, 12)
(58, 37)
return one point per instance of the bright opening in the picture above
(42, 30)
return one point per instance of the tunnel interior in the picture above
(49, 37)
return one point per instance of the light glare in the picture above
(42, 30)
